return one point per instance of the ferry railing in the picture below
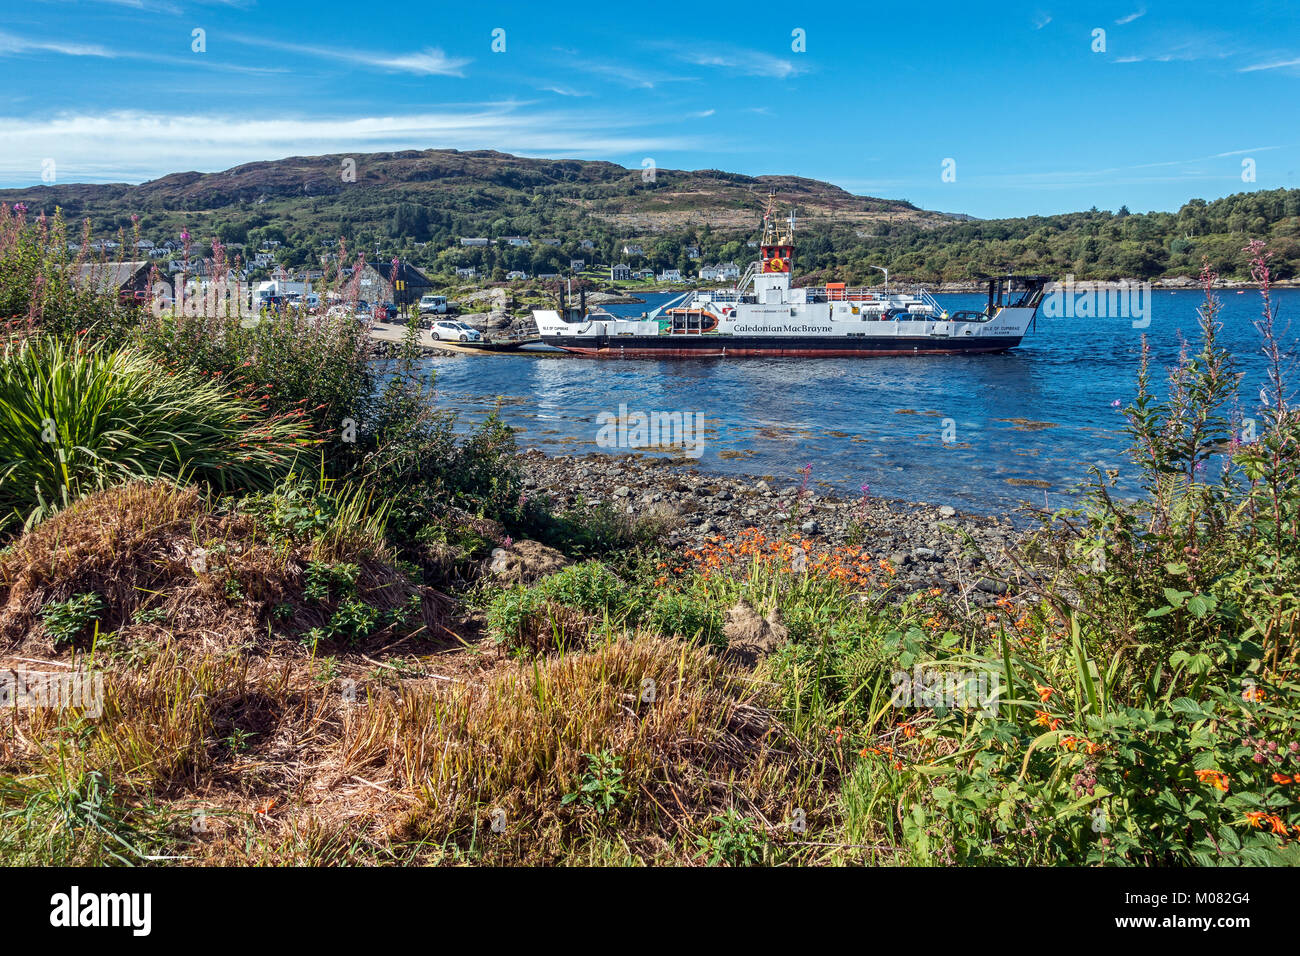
(747, 278)
(932, 302)
(856, 294)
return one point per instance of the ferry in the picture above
(764, 315)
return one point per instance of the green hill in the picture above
(419, 204)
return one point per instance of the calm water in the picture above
(1026, 424)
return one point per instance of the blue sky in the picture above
(1034, 118)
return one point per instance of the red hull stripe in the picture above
(772, 353)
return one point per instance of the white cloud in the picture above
(1274, 65)
(11, 44)
(1041, 20)
(430, 61)
(745, 62)
(563, 91)
(130, 146)
(1131, 17)
(627, 75)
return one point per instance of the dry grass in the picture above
(213, 576)
(520, 742)
(400, 750)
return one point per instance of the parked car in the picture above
(433, 305)
(390, 309)
(454, 331)
(363, 307)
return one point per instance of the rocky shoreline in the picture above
(927, 544)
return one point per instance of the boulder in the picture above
(750, 637)
(525, 561)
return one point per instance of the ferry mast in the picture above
(777, 255)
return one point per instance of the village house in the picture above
(401, 284)
(577, 265)
(127, 279)
(633, 250)
(473, 241)
(692, 252)
(671, 275)
(620, 273)
(466, 272)
(519, 242)
(516, 275)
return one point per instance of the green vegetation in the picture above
(335, 623)
(76, 416)
(418, 205)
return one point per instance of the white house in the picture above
(519, 242)
(633, 250)
(577, 265)
(516, 275)
(671, 275)
(473, 241)
(621, 272)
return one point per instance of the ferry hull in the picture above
(625, 346)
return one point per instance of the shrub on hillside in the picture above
(41, 285)
(79, 417)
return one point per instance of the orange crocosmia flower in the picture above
(1256, 818)
(1044, 693)
(1213, 777)
(1279, 827)
(1281, 778)
(1046, 720)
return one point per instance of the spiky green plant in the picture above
(76, 417)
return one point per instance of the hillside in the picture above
(419, 204)
(475, 193)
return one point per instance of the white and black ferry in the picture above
(763, 315)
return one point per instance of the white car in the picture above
(454, 331)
